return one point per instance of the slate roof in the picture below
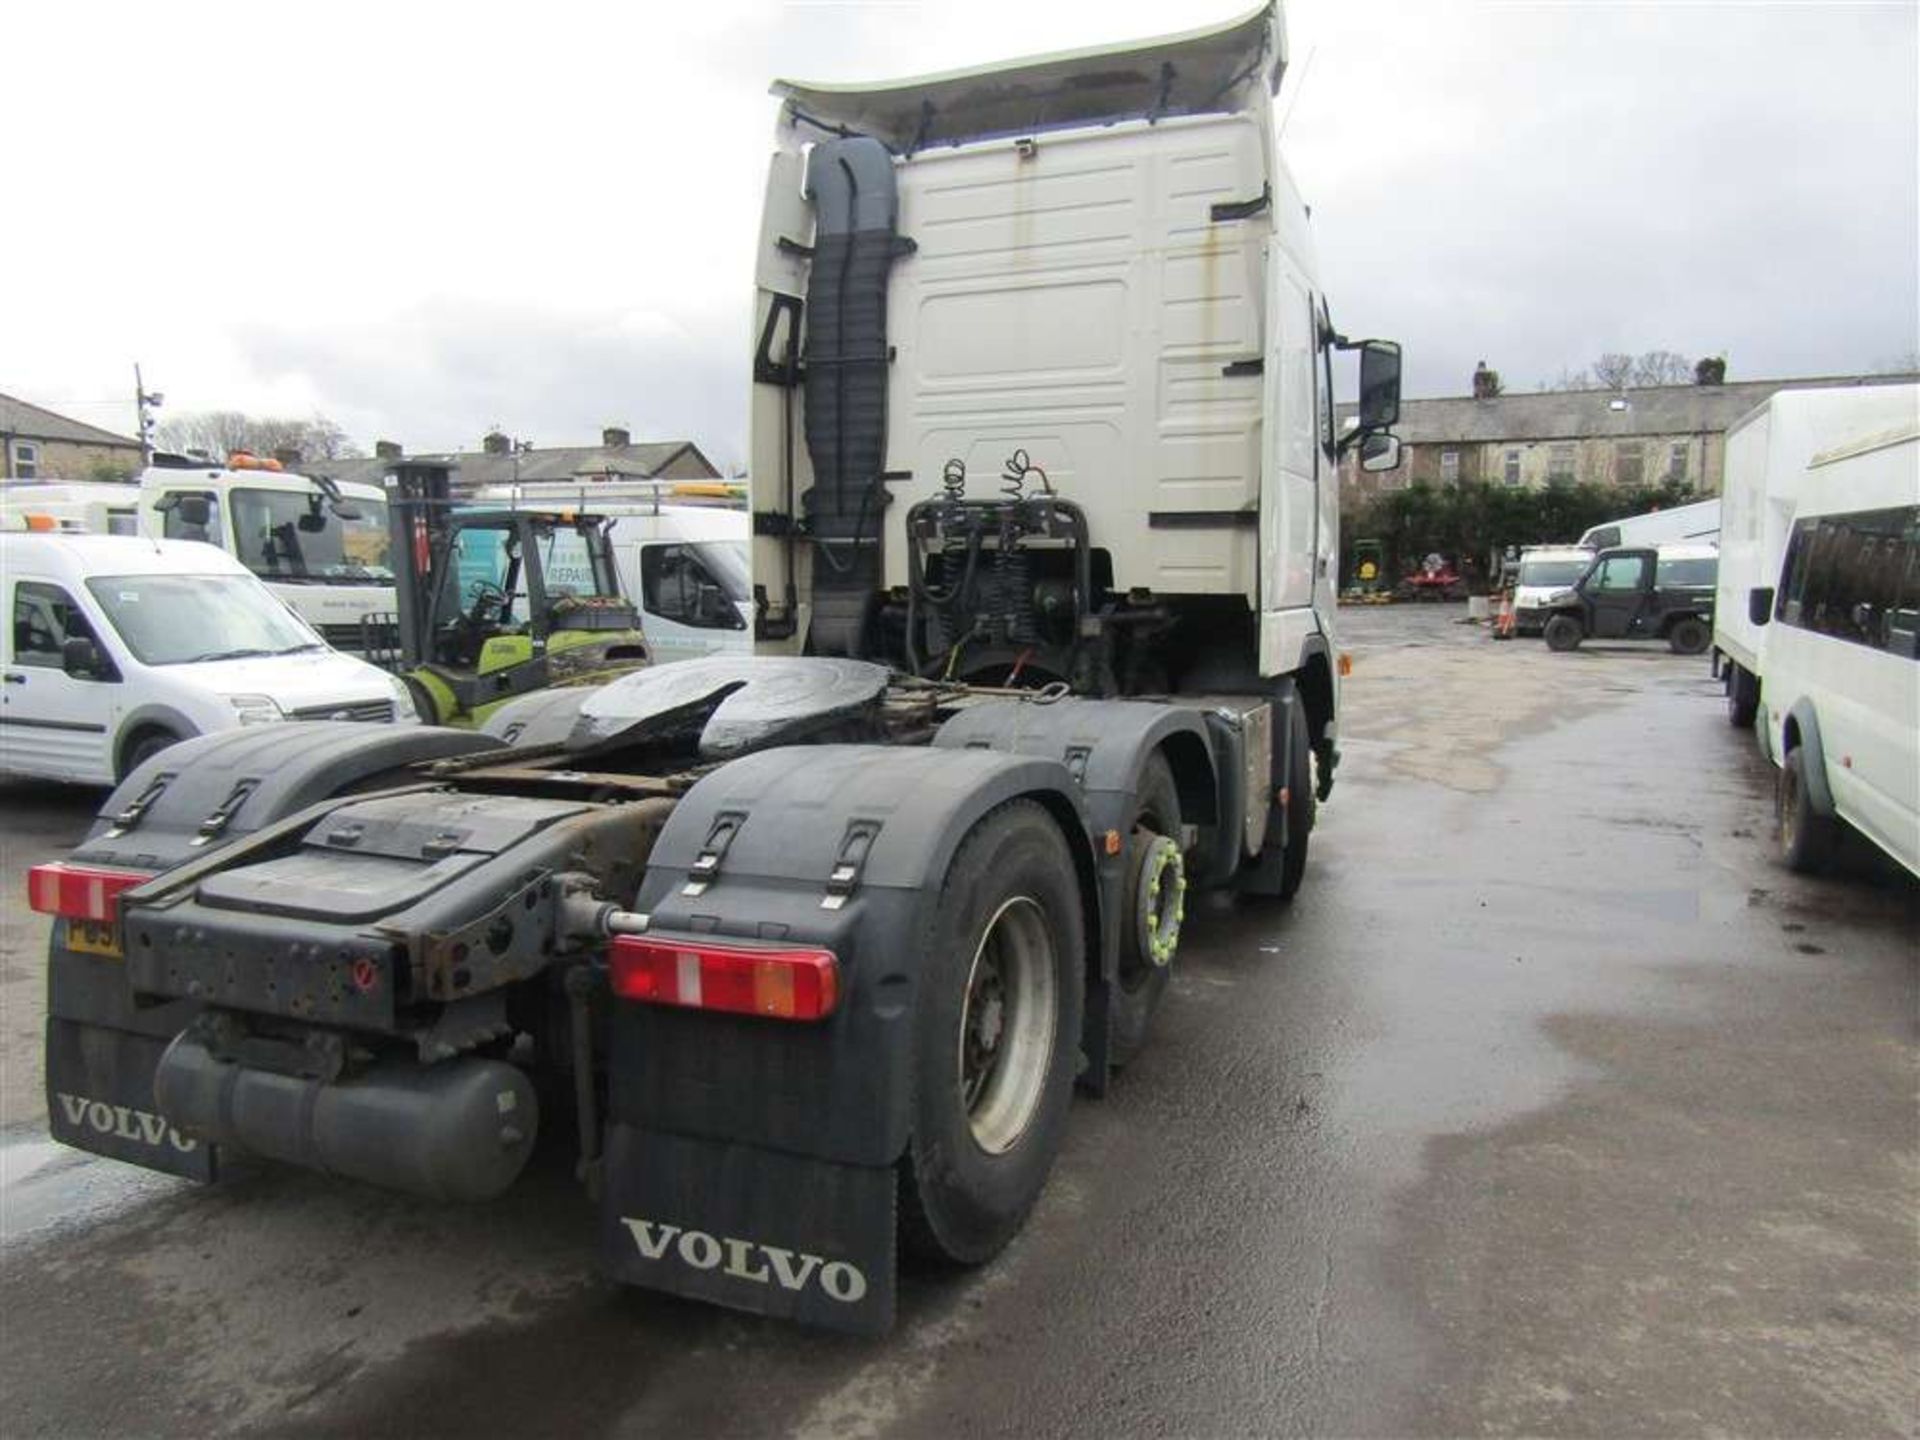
(1583, 414)
(31, 422)
(639, 461)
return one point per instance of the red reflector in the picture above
(79, 892)
(787, 984)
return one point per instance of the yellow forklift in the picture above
(491, 604)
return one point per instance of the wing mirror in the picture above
(80, 658)
(1379, 385)
(1380, 452)
(1760, 604)
(192, 509)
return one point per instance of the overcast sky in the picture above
(424, 220)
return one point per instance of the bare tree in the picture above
(1662, 367)
(218, 433)
(1613, 370)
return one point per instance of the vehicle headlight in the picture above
(256, 709)
(403, 707)
(1559, 596)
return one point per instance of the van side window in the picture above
(1853, 577)
(44, 619)
(674, 580)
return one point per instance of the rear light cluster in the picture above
(79, 892)
(785, 983)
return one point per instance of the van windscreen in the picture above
(180, 619)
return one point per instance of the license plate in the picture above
(94, 937)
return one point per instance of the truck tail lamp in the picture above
(80, 892)
(783, 983)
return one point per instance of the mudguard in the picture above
(185, 803)
(1104, 744)
(1814, 767)
(750, 1162)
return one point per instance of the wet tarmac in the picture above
(1554, 1105)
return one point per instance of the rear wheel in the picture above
(1152, 910)
(997, 1036)
(1564, 633)
(1806, 836)
(1743, 698)
(1688, 637)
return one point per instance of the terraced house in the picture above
(1579, 437)
(39, 444)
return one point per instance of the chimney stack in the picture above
(1486, 383)
(496, 442)
(1711, 371)
(615, 438)
(387, 450)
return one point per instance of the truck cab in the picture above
(1622, 596)
(320, 545)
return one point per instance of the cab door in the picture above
(52, 723)
(1616, 593)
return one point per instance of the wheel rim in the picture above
(1007, 1025)
(1162, 899)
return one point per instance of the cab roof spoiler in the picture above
(1201, 72)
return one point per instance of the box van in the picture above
(120, 646)
(684, 566)
(1826, 653)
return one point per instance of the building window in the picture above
(1629, 463)
(1560, 464)
(1513, 467)
(1450, 466)
(26, 460)
(1677, 460)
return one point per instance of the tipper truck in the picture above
(804, 952)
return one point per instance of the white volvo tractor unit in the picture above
(811, 947)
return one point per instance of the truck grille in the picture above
(356, 710)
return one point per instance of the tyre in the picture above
(143, 747)
(1152, 910)
(1689, 637)
(1564, 633)
(1743, 699)
(997, 1037)
(1806, 836)
(1279, 870)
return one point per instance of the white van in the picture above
(685, 567)
(1545, 570)
(1835, 668)
(1698, 523)
(92, 507)
(120, 646)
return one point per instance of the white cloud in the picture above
(427, 219)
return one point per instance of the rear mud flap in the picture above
(100, 1098)
(776, 1234)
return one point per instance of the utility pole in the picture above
(144, 405)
